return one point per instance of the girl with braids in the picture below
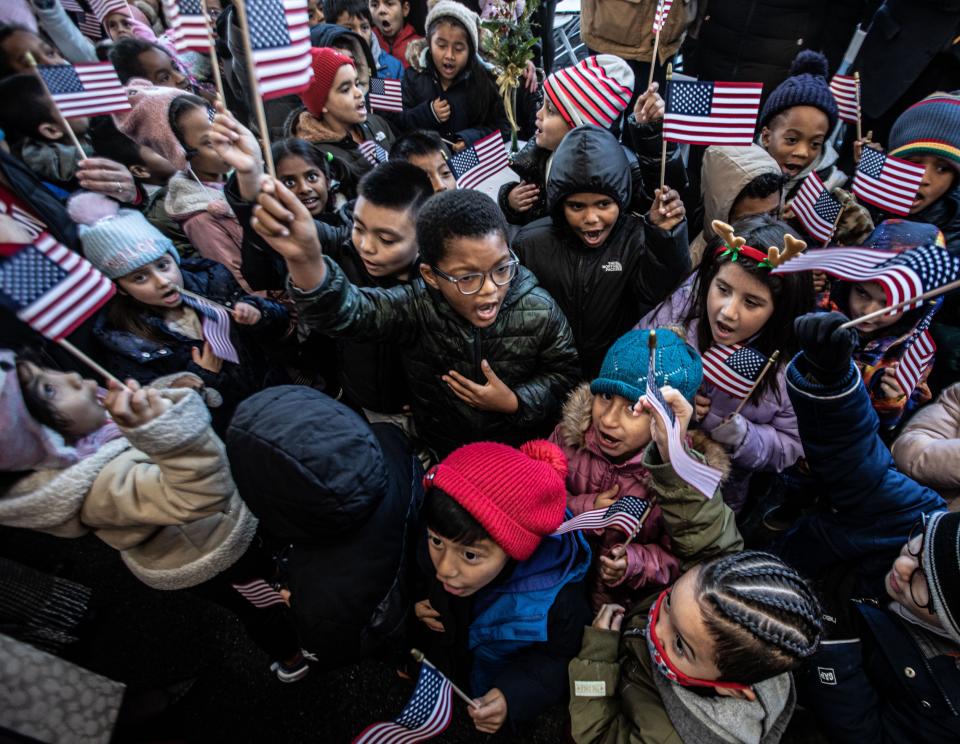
(707, 660)
(732, 298)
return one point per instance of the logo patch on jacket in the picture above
(612, 266)
(827, 676)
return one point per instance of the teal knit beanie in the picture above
(624, 369)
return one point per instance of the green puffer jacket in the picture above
(529, 346)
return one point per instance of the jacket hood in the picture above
(325, 34)
(186, 196)
(308, 466)
(725, 173)
(589, 159)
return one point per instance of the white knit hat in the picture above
(461, 14)
(596, 90)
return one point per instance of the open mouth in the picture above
(792, 169)
(456, 591)
(606, 441)
(722, 331)
(892, 583)
(448, 69)
(487, 311)
(386, 27)
(171, 297)
(310, 201)
(593, 237)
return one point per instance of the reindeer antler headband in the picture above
(735, 246)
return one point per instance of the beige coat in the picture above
(625, 27)
(163, 496)
(928, 448)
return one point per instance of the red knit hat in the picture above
(325, 62)
(519, 496)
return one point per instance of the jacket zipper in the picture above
(478, 375)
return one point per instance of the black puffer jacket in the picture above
(602, 291)
(529, 346)
(344, 496)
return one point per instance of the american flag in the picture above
(918, 356)
(50, 287)
(711, 113)
(259, 593)
(71, 6)
(85, 90)
(733, 369)
(702, 477)
(426, 714)
(902, 275)
(189, 24)
(887, 182)
(280, 39)
(102, 8)
(816, 208)
(385, 94)
(89, 26)
(485, 159)
(216, 326)
(626, 513)
(846, 94)
(660, 17)
(373, 152)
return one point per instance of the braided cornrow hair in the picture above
(761, 614)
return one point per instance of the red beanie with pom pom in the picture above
(519, 496)
(325, 62)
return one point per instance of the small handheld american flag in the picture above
(386, 94)
(660, 17)
(84, 90)
(733, 369)
(280, 43)
(485, 159)
(626, 513)
(259, 593)
(373, 152)
(711, 113)
(189, 24)
(49, 287)
(816, 208)
(102, 8)
(216, 326)
(902, 275)
(887, 182)
(917, 357)
(846, 94)
(426, 714)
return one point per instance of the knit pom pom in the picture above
(544, 451)
(89, 207)
(809, 62)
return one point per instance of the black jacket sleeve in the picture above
(646, 141)
(663, 266)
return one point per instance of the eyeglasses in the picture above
(469, 284)
(919, 529)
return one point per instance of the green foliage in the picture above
(509, 40)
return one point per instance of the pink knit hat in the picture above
(596, 90)
(519, 496)
(326, 62)
(147, 122)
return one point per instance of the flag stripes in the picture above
(711, 113)
(486, 158)
(90, 89)
(887, 182)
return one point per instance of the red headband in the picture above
(746, 250)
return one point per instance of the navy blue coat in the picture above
(867, 506)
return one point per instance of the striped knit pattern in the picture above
(929, 127)
(596, 90)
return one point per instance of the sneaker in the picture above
(292, 672)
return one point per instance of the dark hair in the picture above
(6, 31)
(463, 213)
(125, 57)
(447, 518)
(296, 147)
(418, 143)
(180, 106)
(333, 8)
(22, 119)
(762, 186)
(396, 185)
(110, 142)
(762, 616)
(792, 295)
(42, 409)
(127, 314)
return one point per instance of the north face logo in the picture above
(612, 266)
(827, 676)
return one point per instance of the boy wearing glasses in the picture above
(487, 354)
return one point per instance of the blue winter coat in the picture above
(389, 66)
(867, 506)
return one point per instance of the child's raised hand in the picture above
(820, 281)
(441, 109)
(131, 406)
(206, 359)
(649, 106)
(107, 177)
(859, 144)
(246, 314)
(613, 566)
(493, 396)
(491, 712)
(610, 617)
(889, 385)
(523, 196)
(682, 412)
(667, 211)
(238, 148)
(702, 405)
(606, 499)
(428, 616)
(530, 76)
(732, 431)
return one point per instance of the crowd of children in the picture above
(375, 396)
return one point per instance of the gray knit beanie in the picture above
(459, 13)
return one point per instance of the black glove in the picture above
(826, 346)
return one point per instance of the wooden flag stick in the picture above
(770, 362)
(653, 57)
(418, 656)
(89, 362)
(214, 61)
(885, 310)
(651, 501)
(835, 223)
(255, 89)
(856, 79)
(663, 139)
(64, 124)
